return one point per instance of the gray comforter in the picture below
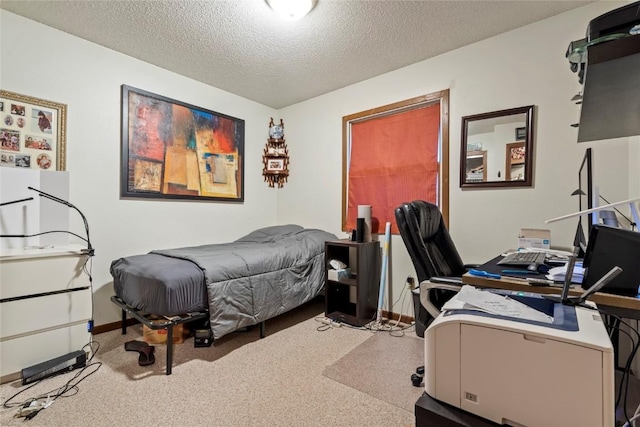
(260, 275)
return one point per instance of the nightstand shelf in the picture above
(353, 300)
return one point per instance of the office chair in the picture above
(434, 256)
(432, 252)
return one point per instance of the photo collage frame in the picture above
(32, 132)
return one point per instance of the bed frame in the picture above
(167, 325)
(265, 256)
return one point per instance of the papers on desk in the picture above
(470, 298)
(557, 273)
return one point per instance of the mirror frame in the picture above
(529, 112)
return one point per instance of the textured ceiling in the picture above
(242, 47)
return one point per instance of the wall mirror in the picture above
(497, 149)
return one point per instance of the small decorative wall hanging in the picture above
(276, 156)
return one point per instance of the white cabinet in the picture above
(45, 306)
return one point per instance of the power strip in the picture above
(330, 322)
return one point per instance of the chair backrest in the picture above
(428, 242)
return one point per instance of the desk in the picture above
(630, 306)
(620, 305)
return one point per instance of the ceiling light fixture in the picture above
(291, 9)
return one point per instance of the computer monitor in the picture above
(609, 247)
(585, 200)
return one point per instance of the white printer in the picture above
(523, 373)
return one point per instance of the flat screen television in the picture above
(609, 247)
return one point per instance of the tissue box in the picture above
(534, 238)
(337, 275)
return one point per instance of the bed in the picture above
(235, 285)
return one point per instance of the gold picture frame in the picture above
(33, 132)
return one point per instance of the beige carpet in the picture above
(381, 367)
(241, 381)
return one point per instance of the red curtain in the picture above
(394, 159)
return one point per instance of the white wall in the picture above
(526, 66)
(523, 67)
(46, 63)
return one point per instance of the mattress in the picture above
(241, 283)
(160, 285)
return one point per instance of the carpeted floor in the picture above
(375, 370)
(241, 380)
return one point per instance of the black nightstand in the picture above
(354, 299)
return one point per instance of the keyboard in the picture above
(523, 259)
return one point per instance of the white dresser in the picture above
(45, 306)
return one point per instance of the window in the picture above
(394, 154)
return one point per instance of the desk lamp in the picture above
(630, 202)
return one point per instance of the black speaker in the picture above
(360, 230)
(66, 363)
(203, 338)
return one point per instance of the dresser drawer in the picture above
(28, 276)
(50, 311)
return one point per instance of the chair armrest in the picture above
(447, 280)
(452, 284)
(470, 266)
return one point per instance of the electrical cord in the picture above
(401, 299)
(33, 406)
(373, 325)
(88, 271)
(624, 381)
(393, 329)
(28, 401)
(633, 419)
(324, 326)
(49, 232)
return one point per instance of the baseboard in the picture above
(395, 316)
(108, 327)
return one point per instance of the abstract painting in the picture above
(175, 150)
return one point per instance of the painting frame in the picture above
(174, 150)
(521, 133)
(33, 132)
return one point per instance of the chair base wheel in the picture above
(416, 380)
